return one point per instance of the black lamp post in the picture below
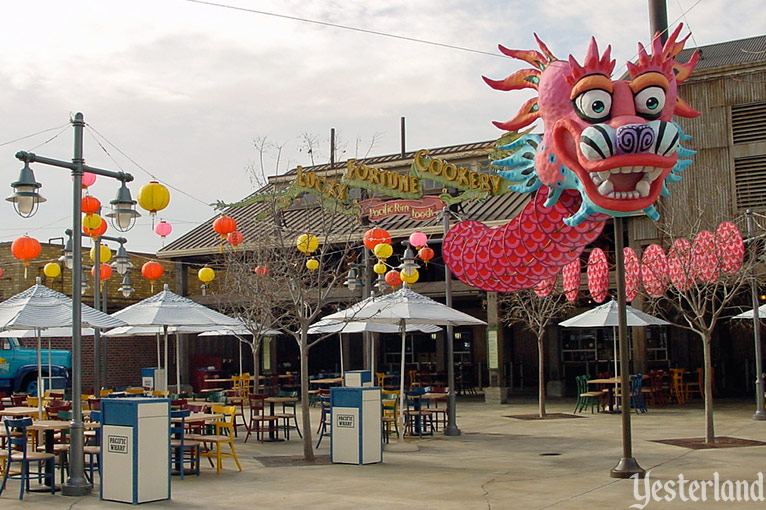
(25, 200)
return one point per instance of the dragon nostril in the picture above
(634, 138)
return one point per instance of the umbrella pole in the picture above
(159, 356)
(403, 329)
(340, 344)
(39, 375)
(239, 345)
(178, 364)
(165, 366)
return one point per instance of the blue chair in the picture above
(417, 417)
(92, 449)
(18, 453)
(636, 393)
(180, 446)
(325, 422)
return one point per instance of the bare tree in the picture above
(535, 313)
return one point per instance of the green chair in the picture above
(288, 413)
(585, 397)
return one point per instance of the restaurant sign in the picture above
(419, 210)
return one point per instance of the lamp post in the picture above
(25, 199)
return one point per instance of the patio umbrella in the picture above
(39, 308)
(404, 307)
(605, 316)
(239, 332)
(749, 313)
(167, 309)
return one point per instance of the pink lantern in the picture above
(729, 247)
(679, 264)
(705, 265)
(88, 179)
(632, 273)
(598, 275)
(163, 228)
(654, 268)
(418, 239)
(545, 287)
(571, 279)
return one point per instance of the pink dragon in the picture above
(608, 148)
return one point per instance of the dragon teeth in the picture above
(642, 188)
(606, 188)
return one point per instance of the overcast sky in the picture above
(182, 89)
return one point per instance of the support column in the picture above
(496, 391)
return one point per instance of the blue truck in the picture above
(18, 367)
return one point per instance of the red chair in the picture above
(259, 422)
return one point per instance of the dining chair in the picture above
(677, 387)
(636, 395)
(390, 412)
(183, 451)
(288, 413)
(653, 393)
(224, 435)
(258, 421)
(416, 417)
(696, 386)
(438, 414)
(586, 397)
(18, 399)
(18, 452)
(381, 379)
(92, 449)
(325, 420)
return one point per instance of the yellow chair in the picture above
(32, 401)
(156, 393)
(677, 388)
(390, 410)
(244, 383)
(134, 391)
(381, 377)
(696, 386)
(224, 434)
(414, 379)
(106, 392)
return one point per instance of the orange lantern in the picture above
(95, 232)
(25, 248)
(104, 273)
(261, 270)
(2, 272)
(224, 225)
(235, 238)
(90, 204)
(376, 236)
(393, 278)
(425, 254)
(152, 271)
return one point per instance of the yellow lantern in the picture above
(379, 268)
(52, 270)
(383, 251)
(153, 197)
(91, 221)
(105, 254)
(206, 275)
(312, 264)
(307, 243)
(410, 277)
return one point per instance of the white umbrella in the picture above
(239, 332)
(404, 307)
(605, 316)
(168, 309)
(39, 308)
(749, 313)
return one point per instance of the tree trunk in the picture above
(708, 391)
(541, 375)
(308, 441)
(256, 369)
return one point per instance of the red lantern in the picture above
(393, 278)
(104, 273)
(729, 247)
(163, 229)
(545, 287)
(654, 270)
(90, 204)
(375, 236)
(261, 270)
(571, 279)
(25, 248)
(2, 272)
(425, 254)
(224, 225)
(598, 275)
(95, 232)
(235, 238)
(704, 264)
(632, 273)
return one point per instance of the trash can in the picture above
(153, 379)
(135, 449)
(357, 378)
(356, 426)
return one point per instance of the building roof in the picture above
(741, 51)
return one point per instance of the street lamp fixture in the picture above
(123, 213)
(66, 256)
(25, 197)
(127, 286)
(352, 280)
(122, 263)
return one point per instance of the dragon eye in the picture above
(593, 105)
(650, 102)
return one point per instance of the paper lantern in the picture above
(104, 254)
(375, 236)
(152, 271)
(598, 275)
(25, 248)
(153, 197)
(705, 265)
(393, 278)
(261, 270)
(545, 287)
(235, 238)
(383, 251)
(95, 232)
(104, 273)
(379, 268)
(163, 228)
(90, 204)
(312, 264)
(91, 221)
(307, 243)
(425, 254)
(224, 225)
(52, 270)
(409, 276)
(730, 248)
(2, 272)
(571, 280)
(654, 270)
(679, 264)
(206, 275)
(632, 273)
(88, 179)
(418, 239)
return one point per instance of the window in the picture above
(750, 182)
(748, 123)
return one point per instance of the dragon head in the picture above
(612, 140)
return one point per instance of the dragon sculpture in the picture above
(608, 149)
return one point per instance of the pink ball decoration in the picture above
(632, 273)
(163, 228)
(729, 246)
(705, 265)
(679, 264)
(545, 287)
(418, 239)
(598, 275)
(88, 179)
(654, 269)
(571, 279)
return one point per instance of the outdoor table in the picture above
(611, 382)
(272, 401)
(49, 427)
(329, 381)
(19, 412)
